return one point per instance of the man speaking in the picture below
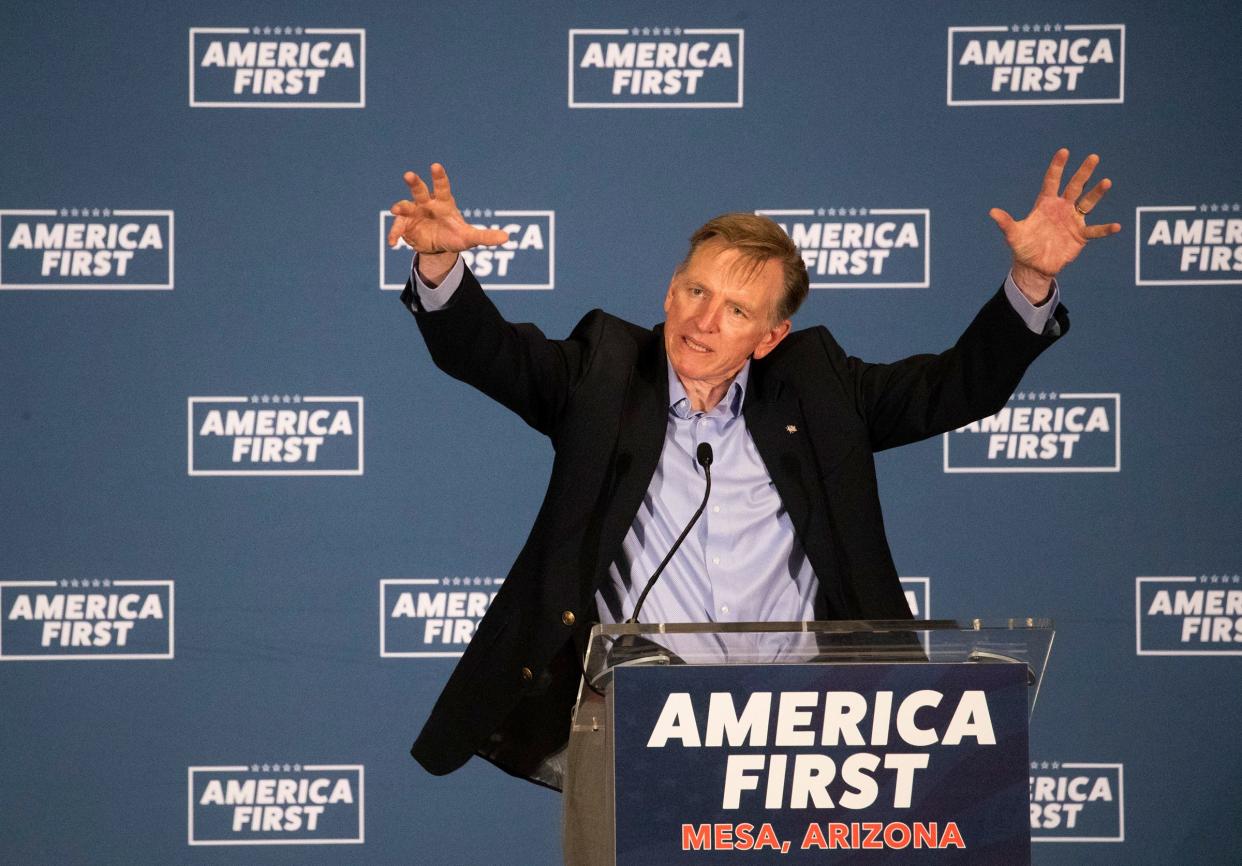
(793, 530)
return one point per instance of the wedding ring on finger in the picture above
(1081, 212)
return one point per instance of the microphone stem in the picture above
(707, 471)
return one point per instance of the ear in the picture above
(668, 296)
(772, 339)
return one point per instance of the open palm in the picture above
(1055, 231)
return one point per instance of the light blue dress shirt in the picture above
(742, 562)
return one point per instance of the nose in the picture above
(708, 318)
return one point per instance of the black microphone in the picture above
(703, 456)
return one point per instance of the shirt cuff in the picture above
(432, 299)
(1036, 318)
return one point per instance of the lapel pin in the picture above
(790, 428)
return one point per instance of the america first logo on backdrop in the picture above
(1077, 802)
(656, 67)
(86, 619)
(526, 261)
(276, 804)
(859, 247)
(1199, 615)
(1037, 64)
(86, 248)
(432, 617)
(278, 67)
(918, 596)
(1179, 245)
(274, 434)
(1041, 432)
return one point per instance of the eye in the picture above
(696, 291)
(738, 312)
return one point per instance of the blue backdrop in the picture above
(194, 650)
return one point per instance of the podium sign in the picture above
(783, 763)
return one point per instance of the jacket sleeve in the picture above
(925, 395)
(514, 364)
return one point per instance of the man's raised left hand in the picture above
(1055, 231)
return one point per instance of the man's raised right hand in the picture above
(434, 227)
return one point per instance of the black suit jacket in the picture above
(601, 396)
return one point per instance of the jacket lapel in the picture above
(643, 424)
(770, 411)
(776, 422)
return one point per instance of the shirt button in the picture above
(716, 560)
(724, 608)
(716, 508)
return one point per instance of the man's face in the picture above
(719, 311)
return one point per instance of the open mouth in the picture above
(695, 346)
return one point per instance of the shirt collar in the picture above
(679, 400)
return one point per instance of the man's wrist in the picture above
(434, 267)
(1034, 285)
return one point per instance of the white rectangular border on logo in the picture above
(309, 31)
(1116, 467)
(698, 31)
(925, 613)
(190, 470)
(50, 287)
(383, 618)
(1121, 70)
(1138, 622)
(1138, 251)
(94, 657)
(926, 214)
(312, 768)
(490, 287)
(1121, 808)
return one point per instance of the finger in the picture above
(404, 208)
(440, 182)
(1089, 201)
(394, 233)
(1052, 177)
(1073, 189)
(1002, 219)
(488, 237)
(418, 189)
(1102, 231)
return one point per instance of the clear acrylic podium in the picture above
(1017, 649)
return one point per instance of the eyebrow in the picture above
(699, 284)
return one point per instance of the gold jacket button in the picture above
(568, 617)
(527, 675)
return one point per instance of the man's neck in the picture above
(704, 395)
